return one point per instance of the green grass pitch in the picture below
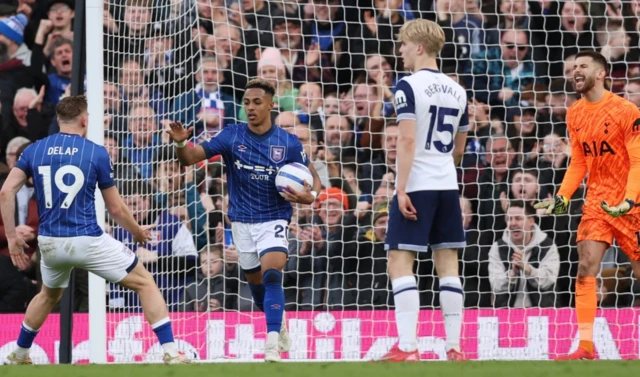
(424, 369)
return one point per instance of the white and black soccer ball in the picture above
(293, 175)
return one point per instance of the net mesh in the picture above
(335, 65)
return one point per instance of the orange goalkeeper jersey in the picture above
(605, 143)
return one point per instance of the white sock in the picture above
(22, 353)
(451, 305)
(407, 302)
(272, 337)
(170, 348)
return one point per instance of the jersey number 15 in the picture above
(71, 190)
(438, 121)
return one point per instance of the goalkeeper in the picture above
(604, 130)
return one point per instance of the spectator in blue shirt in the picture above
(61, 61)
(206, 106)
(133, 89)
(503, 75)
(141, 145)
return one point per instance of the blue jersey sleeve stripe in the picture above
(207, 150)
(464, 120)
(25, 169)
(23, 162)
(406, 116)
(106, 185)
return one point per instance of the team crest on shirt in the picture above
(277, 154)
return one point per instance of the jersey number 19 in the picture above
(71, 190)
(438, 121)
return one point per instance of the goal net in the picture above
(335, 66)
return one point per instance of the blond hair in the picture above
(423, 32)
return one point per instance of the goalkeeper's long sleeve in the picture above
(572, 178)
(577, 167)
(633, 180)
(632, 143)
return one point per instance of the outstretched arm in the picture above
(187, 155)
(121, 214)
(577, 166)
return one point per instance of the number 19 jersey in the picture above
(66, 169)
(439, 107)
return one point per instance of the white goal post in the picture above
(95, 74)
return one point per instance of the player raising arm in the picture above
(433, 121)
(65, 168)
(259, 216)
(604, 130)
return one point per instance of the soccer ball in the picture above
(292, 175)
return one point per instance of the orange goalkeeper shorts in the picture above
(625, 229)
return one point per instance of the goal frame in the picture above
(95, 84)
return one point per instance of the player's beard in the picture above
(587, 85)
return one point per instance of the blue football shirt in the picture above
(252, 164)
(65, 170)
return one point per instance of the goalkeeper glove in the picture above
(557, 206)
(619, 210)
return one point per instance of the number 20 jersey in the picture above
(65, 170)
(439, 107)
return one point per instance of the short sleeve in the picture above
(297, 153)
(217, 144)
(24, 162)
(464, 120)
(105, 169)
(405, 101)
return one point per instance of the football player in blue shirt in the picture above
(253, 153)
(65, 168)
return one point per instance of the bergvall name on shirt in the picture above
(437, 88)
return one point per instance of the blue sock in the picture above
(273, 299)
(27, 335)
(257, 291)
(163, 331)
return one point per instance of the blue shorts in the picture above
(439, 223)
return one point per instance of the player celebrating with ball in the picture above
(604, 130)
(259, 214)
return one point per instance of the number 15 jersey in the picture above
(439, 107)
(65, 170)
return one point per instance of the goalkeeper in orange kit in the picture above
(604, 130)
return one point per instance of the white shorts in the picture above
(252, 241)
(102, 255)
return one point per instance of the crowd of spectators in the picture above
(335, 66)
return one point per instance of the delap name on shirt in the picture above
(62, 151)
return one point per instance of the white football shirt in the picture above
(439, 107)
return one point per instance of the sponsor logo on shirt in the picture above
(401, 99)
